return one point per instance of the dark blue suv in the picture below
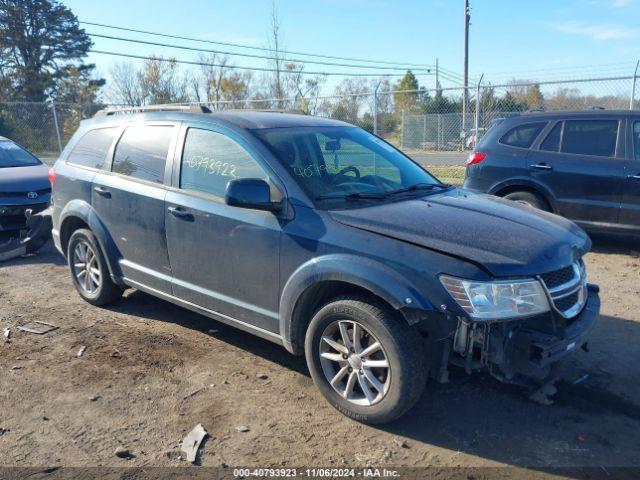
(583, 165)
(327, 240)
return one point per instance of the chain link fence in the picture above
(435, 127)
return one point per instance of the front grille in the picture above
(558, 277)
(565, 303)
(567, 288)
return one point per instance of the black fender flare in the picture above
(379, 279)
(83, 211)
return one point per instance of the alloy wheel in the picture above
(354, 362)
(86, 267)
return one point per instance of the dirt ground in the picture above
(152, 371)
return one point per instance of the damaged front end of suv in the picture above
(520, 329)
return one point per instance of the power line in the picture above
(259, 69)
(196, 49)
(229, 44)
(576, 67)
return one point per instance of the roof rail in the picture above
(154, 108)
(296, 111)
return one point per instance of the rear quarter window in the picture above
(142, 152)
(522, 136)
(91, 150)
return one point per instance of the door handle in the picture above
(103, 192)
(179, 213)
(541, 166)
(634, 177)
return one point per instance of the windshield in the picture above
(345, 163)
(11, 155)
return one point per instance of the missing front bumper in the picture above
(525, 352)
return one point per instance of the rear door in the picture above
(581, 160)
(630, 209)
(129, 200)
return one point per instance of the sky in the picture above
(529, 40)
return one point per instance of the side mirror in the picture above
(253, 193)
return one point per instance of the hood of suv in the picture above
(504, 237)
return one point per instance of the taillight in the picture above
(52, 176)
(475, 157)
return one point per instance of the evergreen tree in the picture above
(40, 45)
(407, 98)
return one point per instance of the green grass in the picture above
(447, 173)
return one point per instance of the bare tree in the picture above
(212, 77)
(160, 82)
(304, 89)
(353, 94)
(123, 87)
(275, 45)
(236, 88)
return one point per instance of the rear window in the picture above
(142, 152)
(590, 137)
(91, 150)
(12, 155)
(522, 136)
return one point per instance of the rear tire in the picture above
(352, 374)
(89, 270)
(529, 198)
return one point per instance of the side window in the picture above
(523, 135)
(552, 142)
(590, 137)
(142, 152)
(636, 140)
(91, 150)
(210, 160)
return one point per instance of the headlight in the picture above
(497, 300)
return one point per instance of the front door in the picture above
(129, 200)
(630, 209)
(223, 258)
(582, 163)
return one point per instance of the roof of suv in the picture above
(247, 119)
(569, 113)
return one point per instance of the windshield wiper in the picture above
(353, 196)
(419, 186)
(382, 195)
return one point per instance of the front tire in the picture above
(89, 270)
(366, 361)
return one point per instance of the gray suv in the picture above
(582, 165)
(327, 240)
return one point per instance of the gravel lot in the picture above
(152, 371)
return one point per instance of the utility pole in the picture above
(437, 77)
(465, 94)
